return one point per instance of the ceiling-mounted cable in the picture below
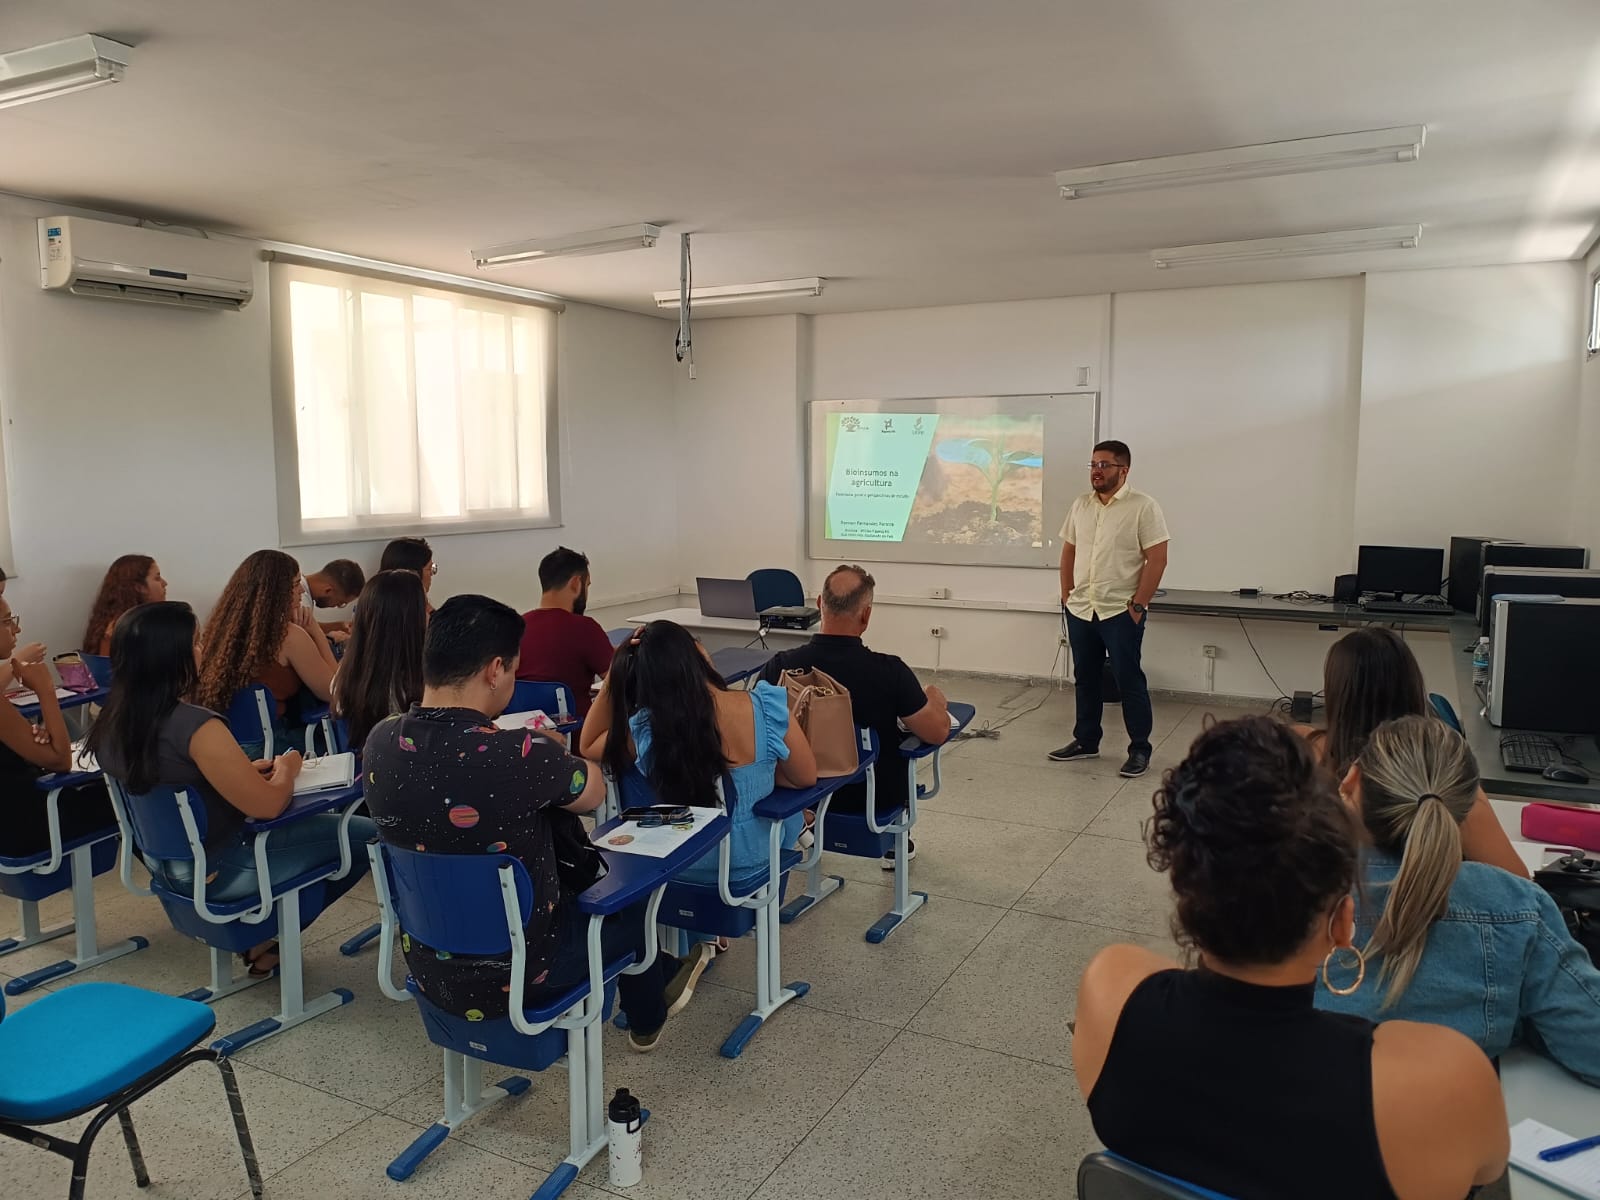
(685, 342)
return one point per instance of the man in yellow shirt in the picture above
(1113, 552)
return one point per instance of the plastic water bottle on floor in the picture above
(1480, 661)
(626, 1139)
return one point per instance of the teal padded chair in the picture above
(103, 1046)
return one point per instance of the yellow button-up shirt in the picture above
(1111, 540)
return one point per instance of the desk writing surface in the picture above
(1535, 1087)
(1190, 602)
(693, 618)
(1484, 738)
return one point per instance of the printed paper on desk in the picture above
(1579, 1174)
(657, 841)
(25, 698)
(329, 771)
(533, 718)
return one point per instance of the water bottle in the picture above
(625, 1139)
(1480, 662)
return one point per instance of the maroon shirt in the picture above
(562, 647)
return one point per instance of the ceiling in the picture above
(903, 149)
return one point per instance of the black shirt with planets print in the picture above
(446, 780)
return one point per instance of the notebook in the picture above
(26, 699)
(1579, 1175)
(533, 718)
(329, 771)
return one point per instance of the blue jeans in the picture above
(292, 849)
(1121, 638)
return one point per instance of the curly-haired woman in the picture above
(132, 580)
(260, 632)
(1225, 1075)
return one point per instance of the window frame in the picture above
(296, 530)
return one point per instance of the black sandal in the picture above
(251, 958)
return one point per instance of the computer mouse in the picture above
(1562, 774)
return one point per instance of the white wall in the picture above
(1585, 526)
(1469, 404)
(141, 429)
(1241, 405)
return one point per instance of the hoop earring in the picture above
(1361, 970)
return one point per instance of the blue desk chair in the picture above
(318, 719)
(339, 740)
(167, 824)
(64, 865)
(867, 835)
(99, 666)
(775, 586)
(103, 1046)
(553, 699)
(1107, 1176)
(480, 904)
(250, 718)
(1444, 710)
(734, 907)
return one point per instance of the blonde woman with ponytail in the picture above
(1450, 942)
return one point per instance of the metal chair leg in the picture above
(240, 1127)
(135, 1155)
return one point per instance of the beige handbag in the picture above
(820, 705)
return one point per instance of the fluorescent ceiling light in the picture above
(1402, 144)
(1344, 241)
(70, 65)
(736, 293)
(573, 245)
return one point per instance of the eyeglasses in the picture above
(1104, 466)
(14, 621)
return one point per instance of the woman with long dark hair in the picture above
(132, 580)
(381, 672)
(664, 705)
(1370, 676)
(148, 735)
(260, 632)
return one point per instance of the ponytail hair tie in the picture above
(1429, 796)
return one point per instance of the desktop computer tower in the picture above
(1530, 554)
(1465, 570)
(1544, 670)
(1532, 581)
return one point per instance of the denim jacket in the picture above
(1499, 966)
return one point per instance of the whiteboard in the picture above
(968, 480)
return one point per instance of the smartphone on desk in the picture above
(662, 814)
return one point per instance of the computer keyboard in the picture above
(1401, 608)
(1528, 752)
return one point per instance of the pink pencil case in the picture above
(1561, 825)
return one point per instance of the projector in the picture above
(796, 616)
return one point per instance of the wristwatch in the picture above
(1137, 607)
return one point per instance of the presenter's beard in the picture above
(1108, 484)
(581, 603)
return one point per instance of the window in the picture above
(402, 408)
(1594, 314)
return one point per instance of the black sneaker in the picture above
(1136, 766)
(911, 852)
(1073, 751)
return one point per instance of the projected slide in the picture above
(963, 480)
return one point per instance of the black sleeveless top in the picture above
(1247, 1090)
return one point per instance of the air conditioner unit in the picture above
(128, 262)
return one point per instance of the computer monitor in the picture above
(1403, 570)
(726, 598)
(1526, 554)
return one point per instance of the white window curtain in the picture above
(409, 409)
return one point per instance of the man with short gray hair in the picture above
(884, 692)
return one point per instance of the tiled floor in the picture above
(934, 1065)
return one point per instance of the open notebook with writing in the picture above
(329, 771)
(1579, 1174)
